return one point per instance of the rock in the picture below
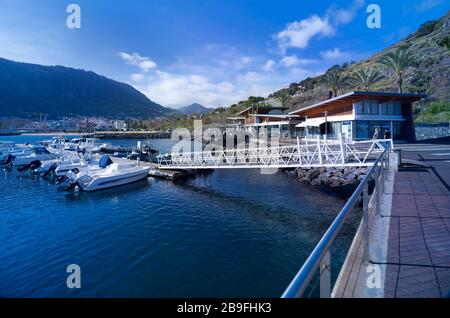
(312, 174)
(323, 178)
(360, 171)
(361, 177)
(330, 170)
(350, 175)
(315, 182)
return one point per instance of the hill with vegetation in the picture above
(194, 108)
(28, 90)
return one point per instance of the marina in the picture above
(214, 157)
(153, 234)
(86, 170)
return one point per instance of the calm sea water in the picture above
(225, 234)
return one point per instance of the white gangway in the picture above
(306, 154)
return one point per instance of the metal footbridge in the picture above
(306, 154)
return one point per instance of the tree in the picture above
(397, 62)
(365, 77)
(335, 80)
(283, 97)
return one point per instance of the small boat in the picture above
(55, 142)
(110, 149)
(8, 149)
(74, 144)
(109, 175)
(59, 166)
(38, 153)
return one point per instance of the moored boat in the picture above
(107, 175)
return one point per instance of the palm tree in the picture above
(365, 77)
(397, 62)
(283, 97)
(335, 80)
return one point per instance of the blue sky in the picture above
(215, 52)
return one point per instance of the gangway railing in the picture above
(320, 257)
(307, 153)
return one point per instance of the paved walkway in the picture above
(410, 238)
(418, 256)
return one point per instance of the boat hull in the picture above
(106, 182)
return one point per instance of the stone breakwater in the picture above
(342, 181)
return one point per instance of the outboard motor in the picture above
(50, 170)
(31, 166)
(72, 187)
(8, 160)
(61, 179)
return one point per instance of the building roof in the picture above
(274, 116)
(355, 95)
(261, 107)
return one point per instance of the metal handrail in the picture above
(304, 276)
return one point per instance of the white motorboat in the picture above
(59, 166)
(92, 145)
(74, 144)
(38, 153)
(55, 142)
(109, 175)
(9, 148)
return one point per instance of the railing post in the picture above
(343, 152)
(325, 276)
(320, 150)
(366, 222)
(378, 189)
(298, 151)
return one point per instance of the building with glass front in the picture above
(358, 114)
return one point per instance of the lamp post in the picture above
(326, 124)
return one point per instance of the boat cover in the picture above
(104, 162)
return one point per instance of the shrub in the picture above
(435, 112)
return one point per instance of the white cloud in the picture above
(344, 15)
(137, 77)
(289, 61)
(293, 60)
(175, 90)
(336, 56)
(336, 53)
(268, 66)
(144, 63)
(298, 34)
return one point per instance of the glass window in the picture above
(362, 129)
(367, 107)
(391, 108)
(397, 130)
(358, 108)
(397, 108)
(374, 107)
(383, 108)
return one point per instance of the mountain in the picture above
(26, 90)
(194, 108)
(430, 49)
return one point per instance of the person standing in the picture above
(376, 134)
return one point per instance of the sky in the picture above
(214, 52)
